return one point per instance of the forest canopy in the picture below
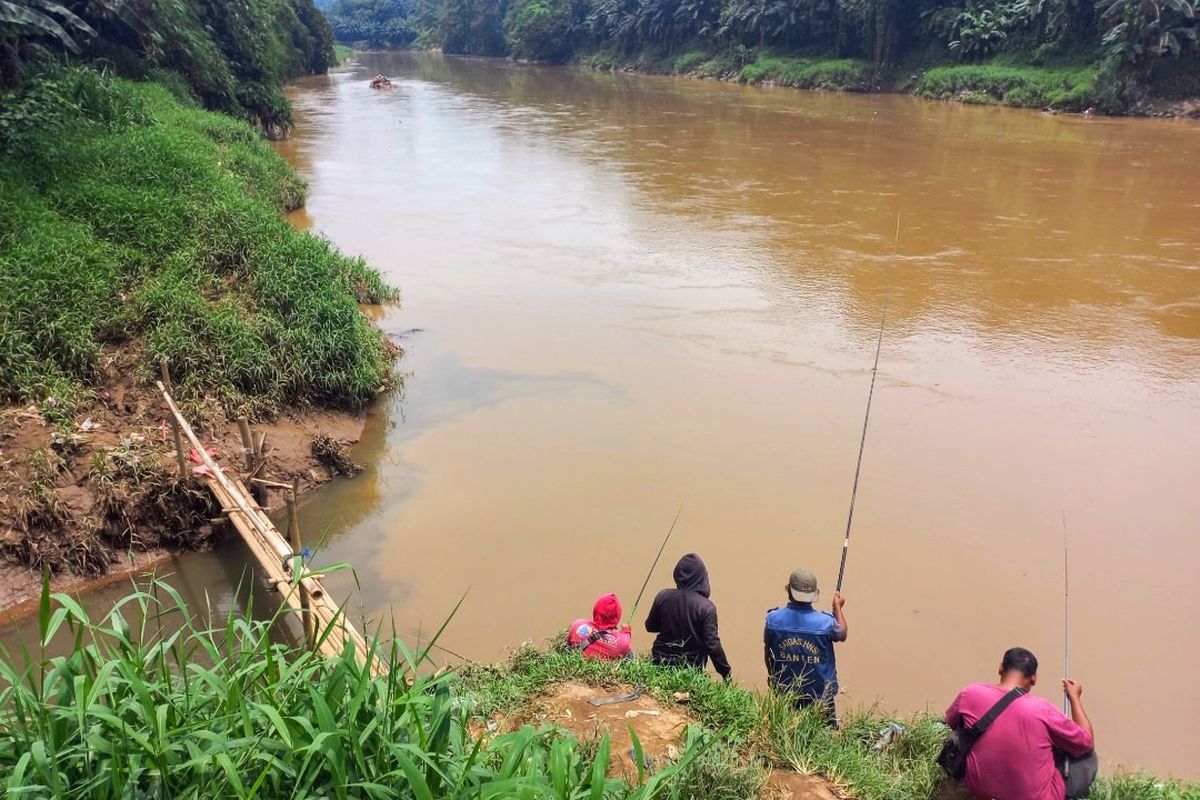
(230, 55)
(1125, 41)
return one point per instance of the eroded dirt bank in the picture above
(95, 497)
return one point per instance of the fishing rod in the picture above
(646, 582)
(866, 418)
(1066, 635)
(1066, 617)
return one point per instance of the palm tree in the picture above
(33, 27)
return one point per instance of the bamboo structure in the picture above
(325, 624)
(179, 460)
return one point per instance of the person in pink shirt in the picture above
(600, 637)
(1015, 759)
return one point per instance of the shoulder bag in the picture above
(958, 744)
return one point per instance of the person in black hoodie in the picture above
(686, 621)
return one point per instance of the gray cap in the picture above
(803, 586)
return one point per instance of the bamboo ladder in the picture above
(325, 625)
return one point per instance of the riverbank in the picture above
(130, 523)
(525, 727)
(137, 229)
(1058, 87)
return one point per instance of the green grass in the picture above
(1060, 88)
(767, 733)
(772, 734)
(129, 220)
(155, 700)
(342, 53)
(152, 702)
(843, 74)
(690, 60)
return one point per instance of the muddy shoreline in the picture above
(93, 498)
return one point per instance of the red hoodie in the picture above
(598, 637)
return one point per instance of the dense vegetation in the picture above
(219, 710)
(131, 222)
(153, 701)
(231, 55)
(1127, 48)
(375, 23)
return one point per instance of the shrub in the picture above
(833, 74)
(150, 701)
(540, 30)
(160, 225)
(1064, 88)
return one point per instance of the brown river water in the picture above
(633, 292)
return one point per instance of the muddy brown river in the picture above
(622, 293)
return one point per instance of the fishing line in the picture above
(646, 582)
(866, 419)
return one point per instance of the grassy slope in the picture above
(129, 220)
(1009, 82)
(1004, 80)
(761, 732)
(153, 700)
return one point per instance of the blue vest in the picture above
(799, 642)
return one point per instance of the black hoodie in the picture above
(686, 621)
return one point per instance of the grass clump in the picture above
(130, 220)
(842, 74)
(689, 61)
(1059, 88)
(772, 734)
(871, 756)
(152, 701)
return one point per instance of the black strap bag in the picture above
(1078, 773)
(958, 744)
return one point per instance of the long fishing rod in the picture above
(1066, 634)
(646, 582)
(1066, 617)
(866, 418)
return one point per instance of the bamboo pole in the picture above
(289, 498)
(247, 443)
(180, 462)
(259, 492)
(269, 548)
(276, 575)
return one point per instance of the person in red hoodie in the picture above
(599, 636)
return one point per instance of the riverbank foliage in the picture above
(230, 55)
(1125, 47)
(153, 699)
(131, 221)
(373, 23)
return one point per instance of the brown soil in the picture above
(98, 496)
(783, 785)
(658, 727)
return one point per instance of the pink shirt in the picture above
(609, 645)
(1014, 759)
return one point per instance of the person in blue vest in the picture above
(798, 642)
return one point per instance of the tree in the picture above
(1140, 32)
(540, 30)
(29, 27)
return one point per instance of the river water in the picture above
(623, 293)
